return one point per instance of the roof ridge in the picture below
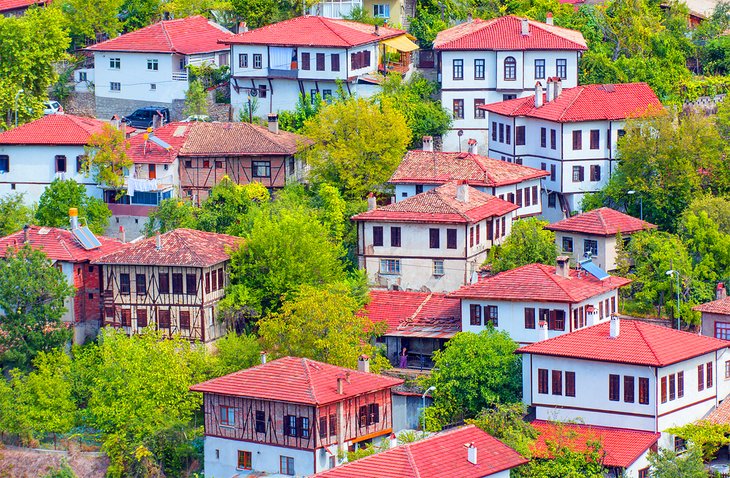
(418, 310)
(412, 461)
(553, 277)
(167, 36)
(601, 219)
(648, 345)
(581, 89)
(308, 378)
(329, 27)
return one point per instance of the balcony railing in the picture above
(180, 76)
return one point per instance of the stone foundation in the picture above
(108, 107)
(80, 103)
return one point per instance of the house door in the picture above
(153, 172)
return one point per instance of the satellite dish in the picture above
(253, 92)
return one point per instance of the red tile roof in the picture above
(425, 167)
(415, 314)
(180, 247)
(296, 380)
(443, 455)
(505, 33)
(638, 343)
(720, 306)
(186, 36)
(440, 205)
(622, 446)
(58, 244)
(601, 222)
(143, 151)
(720, 414)
(240, 139)
(59, 129)
(539, 283)
(315, 31)
(11, 5)
(586, 103)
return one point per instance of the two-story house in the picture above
(292, 416)
(72, 255)
(570, 132)
(172, 282)
(148, 67)
(392, 12)
(486, 61)
(35, 154)
(436, 240)
(716, 314)
(535, 302)
(466, 452)
(274, 65)
(592, 235)
(421, 171)
(626, 374)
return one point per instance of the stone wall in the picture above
(108, 107)
(81, 103)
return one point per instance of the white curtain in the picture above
(281, 57)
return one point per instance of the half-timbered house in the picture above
(292, 416)
(172, 282)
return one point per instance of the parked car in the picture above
(193, 118)
(143, 117)
(52, 108)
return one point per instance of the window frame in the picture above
(458, 108)
(227, 415)
(395, 236)
(540, 69)
(125, 287)
(457, 69)
(434, 238)
(153, 64)
(510, 69)
(244, 464)
(530, 314)
(629, 389)
(542, 381)
(479, 69)
(520, 135)
(378, 236)
(258, 61)
(570, 384)
(256, 167)
(614, 387)
(451, 238)
(556, 377)
(561, 68)
(479, 113)
(4, 163)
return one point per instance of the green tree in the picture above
(707, 437)
(357, 144)
(668, 464)
(305, 109)
(136, 14)
(528, 243)
(257, 13)
(710, 252)
(106, 156)
(623, 260)
(506, 422)
(321, 323)
(571, 456)
(234, 352)
(14, 214)
(32, 296)
(171, 214)
(60, 196)
(228, 204)
(218, 9)
(87, 20)
(196, 100)
(717, 209)
(474, 371)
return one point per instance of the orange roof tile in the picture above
(241, 139)
(60, 129)
(601, 222)
(143, 151)
(10, 5)
(415, 314)
(58, 244)
(719, 306)
(720, 414)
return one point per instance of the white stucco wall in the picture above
(263, 458)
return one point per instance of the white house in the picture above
(421, 171)
(593, 234)
(570, 132)
(274, 65)
(35, 154)
(148, 67)
(536, 301)
(626, 374)
(436, 240)
(486, 61)
(392, 12)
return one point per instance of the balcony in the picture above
(276, 73)
(180, 76)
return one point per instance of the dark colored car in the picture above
(143, 117)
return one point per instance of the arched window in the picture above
(510, 69)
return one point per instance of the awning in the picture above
(401, 43)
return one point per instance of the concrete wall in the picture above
(407, 411)
(606, 257)
(107, 107)
(221, 458)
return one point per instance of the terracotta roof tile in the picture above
(425, 167)
(144, 151)
(10, 5)
(242, 139)
(622, 446)
(296, 380)
(539, 283)
(59, 244)
(720, 414)
(720, 306)
(180, 247)
(601, 222)
(586, 103)
(638, 343)
(439, 456)
(53, 129)
(315, 31)
(505, 33)
(440, 205)
(186, 36)
(415, 314)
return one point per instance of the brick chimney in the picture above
(363, 363)
(550, 92)
(538, 94)
(122, 235)
(720, 291)
(158, 241)
(372, 202)
(549, 18)
(558, 86)
(274, 123)
(428, 143)
(472, 145)
(525, 27)
(462, 191)
(562, 266)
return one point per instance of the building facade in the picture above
(392, 12)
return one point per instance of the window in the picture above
(333, 425)
(335, 62)
(458, 69)
(722, 330)
(320, 61)
(458, 109)
(207, 282)
(680, 384)
(664, 389)
(60, 164)
(381, 10)
(115, 63)
(306, 60)
(561, 68)
(261, 169)
(553, 139)
(708, 368)
(644, 473)
(519, 135)
(185, 320)
(552, 200)
(553, 172)
(578, 175)
(4, 163)
(163, 283)
(450, 238)
(628, 389)
(567, 244)
(534, 195)
(492, 315)
(262, 91)
(504, 226)
(519, 198)
(153, 87)
(141, 318)
(206, 164)
(529, 317)
(679, 444)
(286, 465)
(390, 266)
(243, 60)
(508, 133)
(590, 246)
(140, 284)
(323, 427)
(327, 95)
(228, 416)
(260, 421)
(542, 380)
(577, 139)
(595, 172)
(510, 69)
(614, 386)
(543, 137)
(643, 390)
(257, 63)
(244, 460)
(433, 238)
(494, 131)
(700, 378)
(191, 284)
(438, 267)
(395, 237)
(727, 369)
(152, 65)
(220, 278)
(557, 320)
(163, 318)
(539, 69)
(478, 113)
(124, 284)
(595, 138)
(557, 382)
(373, 413)
(290, 426)
(126, 317)
(570, 384)
(115, 86)
(479, 69)
(501, 134)
(360, 59)
(313, 95)
(304, 427)
(475, 314)
(377, 235)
